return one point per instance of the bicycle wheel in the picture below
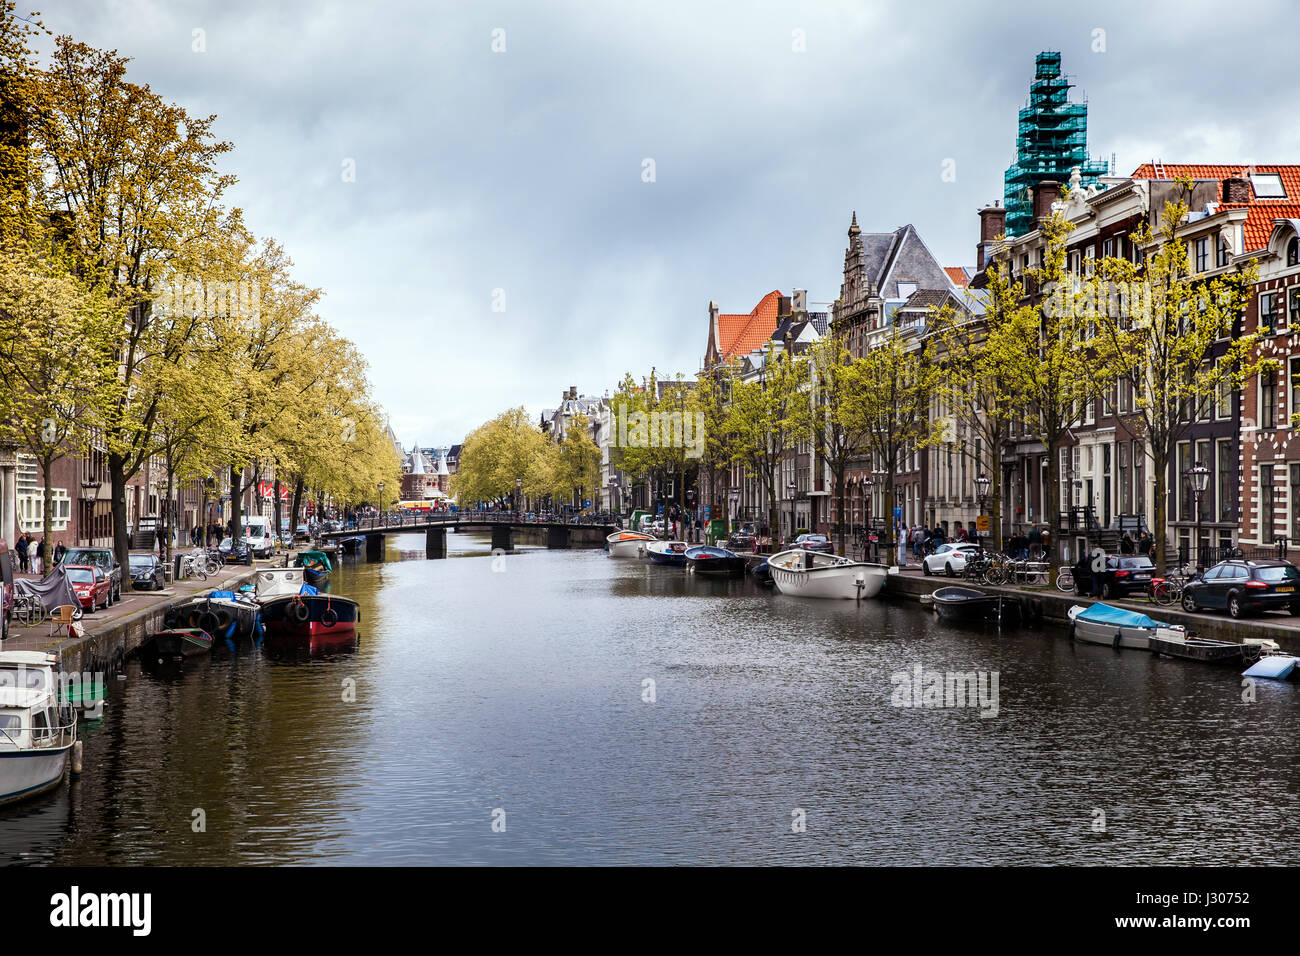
(995, 576)
(1163, 594)
(1065, 580)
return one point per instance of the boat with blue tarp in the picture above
(1117, 627)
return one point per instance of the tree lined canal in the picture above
(524, 690)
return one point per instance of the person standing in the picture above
(60, 550)
(24, 559)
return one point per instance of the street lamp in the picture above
(519, 494)
(790, 488)
(981, 492)
(381, 499)
(1198, 478)
(868, 485)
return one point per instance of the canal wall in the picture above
(1037, 606)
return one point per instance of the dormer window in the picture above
(1293, 252)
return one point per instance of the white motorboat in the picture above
(36, 732)
(1116, 627)
(815, 575)
(627, 544)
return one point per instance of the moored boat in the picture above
(709, 559)
(804, 573)
(352, 545)
(316, 568)
(967, 605)
(762, 573)
(1196, 649)
(37, 733)
(627, 544)
(1274, 667)
(1115, 627)
(293, 611)
(174, 644)
(221, 614)
(672, 553)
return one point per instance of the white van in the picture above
(257, 532)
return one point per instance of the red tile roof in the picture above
(741, 334)
(1262, 212)
(958, 276)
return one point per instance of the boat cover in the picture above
(308, 590)
(54, 590)
(1277, 666)
(1105, 614)
(227, 595)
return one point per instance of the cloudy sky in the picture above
(500, 242)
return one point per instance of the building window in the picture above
(1293, 313)
(1268, 398)
(1221, 256)
(1184, 494)
(1293, 252)
(1266, 503)
(1294, 502)
(1202, 254)
(1267, 313)
(1227, 480)
(1108, 248)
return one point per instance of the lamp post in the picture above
(1198, 478)
(868, 485)
(381, 499)
(790, 487)
(519, 493)
(981, 492)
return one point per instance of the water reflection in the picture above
(620, 712)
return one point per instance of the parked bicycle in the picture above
(194, 564)
(28, 609)
(1065, 579)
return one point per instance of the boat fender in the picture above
(329, 617)
(169, 620)
(76, 759)
(1118, 635)
(209, 622)
(298, 613)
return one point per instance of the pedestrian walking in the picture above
(60, 550)
(24, 557)
(1126, 544)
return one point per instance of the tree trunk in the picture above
(236, 505)
(839, 521)
(275, 495)
(297, 504)
(167, 521)
(1052, 506)
(47, 521)
(121, 542)
(1159, 542)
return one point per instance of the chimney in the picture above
(573, 392)
(799, 304)
(1237, 190)
(1045, 193)
(993, 223)
(783, 305)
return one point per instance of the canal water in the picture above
(562, 707)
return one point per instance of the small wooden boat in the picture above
(627, 544)
(762, 573)
(1116, 627)
(353, 544)
(805, 573)
(966, 605)
(672, 553)
(175, 644)
(1197, 649)
(719, 562)
(315, 566)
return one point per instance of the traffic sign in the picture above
(982, 524)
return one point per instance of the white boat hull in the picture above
(844, 581)
(628, 547)
(25, 773)
(1118, 635)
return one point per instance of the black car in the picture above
(814, 542)
(1126, 573)
(147, 572)
(97, 558)
(239, 554)
(1241, 585)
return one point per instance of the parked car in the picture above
(950, 558)
(1126, 573)
(1241, 586)
(147, 573)
(814, 542)
(102, 558)
(91, 585)
(238, 555)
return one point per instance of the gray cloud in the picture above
(522, 170)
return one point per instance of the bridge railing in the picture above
(398, 521)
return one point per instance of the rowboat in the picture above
(709, 559)
(671, 553)
(1116, 627)
(1197, 649)
(36, 731)
(174, 644)
(627, 544)
(315, 566)
(812, 574)
(966, 605)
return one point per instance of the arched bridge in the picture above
(582, 532)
